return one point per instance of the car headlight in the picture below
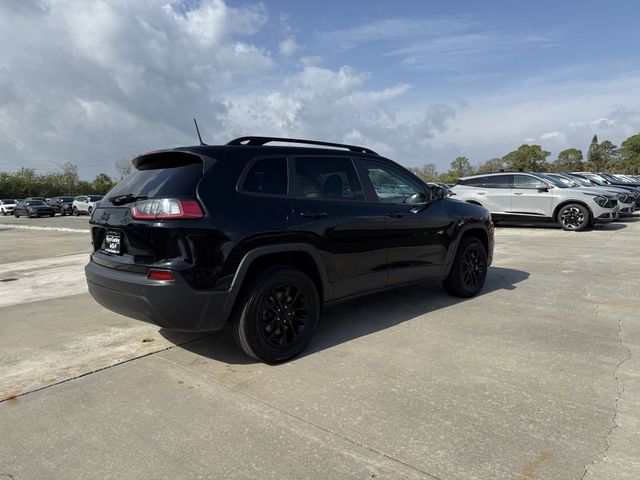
(602, 201)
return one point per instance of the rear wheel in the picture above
(574, 217)
(469, 269)
(278, 315)
(16, 214)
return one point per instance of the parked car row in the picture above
(43, 207)
(575, 201)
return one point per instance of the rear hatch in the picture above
(147, 219)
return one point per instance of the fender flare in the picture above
(256, 253)
(455, 243)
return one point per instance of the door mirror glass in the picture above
(417, 199)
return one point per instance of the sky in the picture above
(92, 82)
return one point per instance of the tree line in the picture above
(601, 157)
(27, 183)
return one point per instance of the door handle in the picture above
(313, 214)
(482, 193)
(517, 193)
(396, 214)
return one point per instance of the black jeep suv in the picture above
(261, 236)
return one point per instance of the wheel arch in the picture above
(556, 211)
(301, 256)
(477, 230)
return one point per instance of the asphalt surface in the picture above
(538, 377)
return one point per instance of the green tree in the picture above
(461, 167)
(569, 160)
(102, 184)
(527, 158)
(629, 153)
(595, 161)
(492, 165)
(427, 172)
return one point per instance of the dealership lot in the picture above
(538, 377)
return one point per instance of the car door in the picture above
(531, 196)
(497, 193)
(415, 235)
(347, 227)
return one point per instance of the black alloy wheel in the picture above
(469, 270)
(574, 217)
(278, 315)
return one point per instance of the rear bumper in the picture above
(172, 305)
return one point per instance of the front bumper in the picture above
(171, 305)
(607, 217)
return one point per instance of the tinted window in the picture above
(472, 182)
(391, 184)
(498, 181)
(527, 181)
(268, 175)
(95, 198)
(328, 177)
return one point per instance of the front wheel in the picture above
(469, 270)
(16, 214)
(278, 315)
(574, 217)
(75, 212)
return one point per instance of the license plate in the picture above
(112, 243)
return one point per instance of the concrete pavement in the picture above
(538, 377)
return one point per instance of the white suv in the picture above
(530, 197)
(7, 205)
(85, 204)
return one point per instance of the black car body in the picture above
(33, 208)
(62, 205)
(184, 239)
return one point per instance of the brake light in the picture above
(166, 208)
(161, 275)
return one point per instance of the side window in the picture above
(328, 177)
(472, 182)
(527, 181)
(498, 181)
(268, 175)
(391, 184)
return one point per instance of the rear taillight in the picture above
(166, 208)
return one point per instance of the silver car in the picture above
(531, 197)
(627, 200)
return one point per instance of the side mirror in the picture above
(417, 199)
(543, 188)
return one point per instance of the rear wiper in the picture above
(128, 198)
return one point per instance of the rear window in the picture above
(498, 181)
(161, 178)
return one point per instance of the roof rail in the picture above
(260, 141)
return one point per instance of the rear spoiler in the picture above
(171, 158)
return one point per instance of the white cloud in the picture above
(288, 47)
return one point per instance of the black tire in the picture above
(90, 210)
(16, 214)
(277, 316)
(469, 270)
(574, 217)
(75, 212)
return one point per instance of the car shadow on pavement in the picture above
(356, 318)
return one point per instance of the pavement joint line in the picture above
(307, 422)
(86, 374)
(621, 390)
(46, 229)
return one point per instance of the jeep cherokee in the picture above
(260, 236)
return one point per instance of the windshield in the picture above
(95, 198)
(8, 201)
(65, 199)
(34, 202)
(552, 180)
(581, 181)
(565, 181)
